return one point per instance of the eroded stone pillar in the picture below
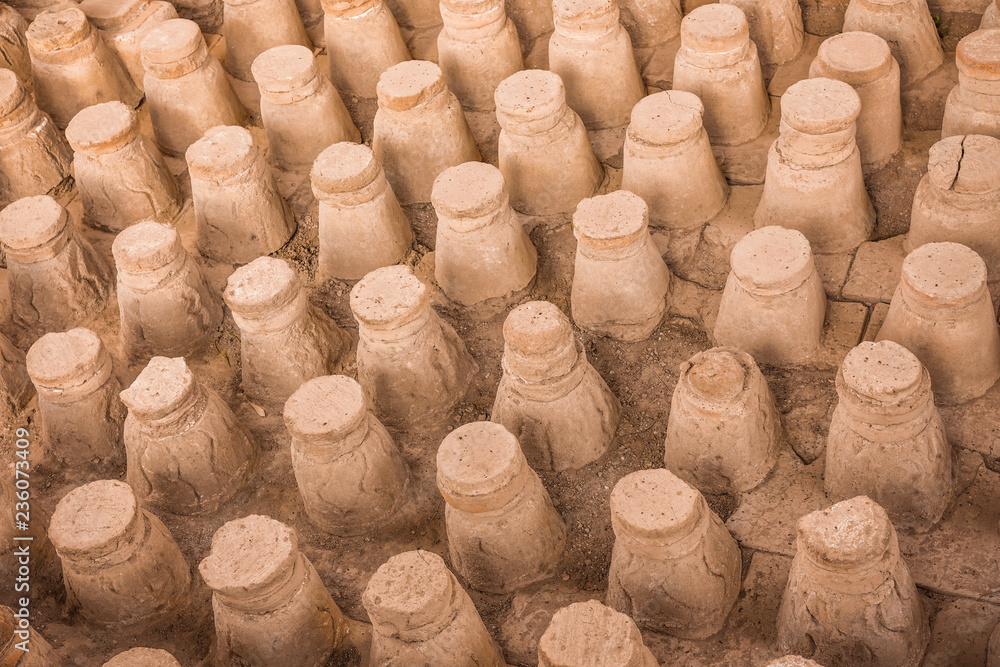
(991, 17)
(120, 564)
(864, 61)
(420, 129)
(591, 51)
(14, 45)
(361, 225)
(420, 614)
(849, 596)
(908, 28)
(252, 27)
(941, 312)
(620, 283)
(143, 657)
(503, 531)
(166, 307)
(482, 252)
(773, 305)
(270, 604)
(362, 42)
(411, 363)
(350, 474)
(650, 23)
(124, 25)
(39, 654)
(78, 402)
(775, 28)
(239, 211)
(724, 430)
(588, 634)
(674, 567)
(544, 150)
(121, 175)
(973, 106)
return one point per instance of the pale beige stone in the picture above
(362, 42)
(311, 12)
(239, 212)
(973, 106)
(14, 45)
(81, 414)
(34, 155)
(187, 452)
(165, 305)
(718, 63)
(775, 28)
(814, 181)
(533, 18)
(651, 23)
(121, 566)
(793, 661)
(482, 251)
(991, 17)
(588, 634)
(773, 306)
(206, 13)
(908, 28)
(724, 430)
(416, 15)
(420, 129)
(620, 281)
(270, 604)
(941, 312)
(864, 61)
(284, 339)
(302, 112)
(849, 597)
(413, 366)
(591, 51)
(251, 27)
(121, 175)
(361, 224)
(503, 532)
(887, 440)
(349, 471)
(674, 567)
(143, 657)
(544, 151)
(187, 90)
(421, 615)
(550, 397)
(123, 24)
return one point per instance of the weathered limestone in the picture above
(532, 18)
(620, 282)
(350, 474)
(411, 363)
(121, 175)
(724, 430)
(957, 199)
(991, 17)
(361, 225)
(775, 28)
(650, 23)
(39, 654)
(942, 313)
(669, 162)
(482, 251)
(973, 106)
(166, 307)
(284, 339)
(16, 388)
(773, 306)
(864, 61)
(14, 45)
(34, 155)
(477, 49)
(206, 13)
(908, 28)
(554, 402)
(588, 634)
(503, 532)
(239, 211)
(143, 657)
(252, 27)
(120, 564)
(887, 440)
(591, 51)
(270, 605)
(301, 110)
(544, 150)
(362, 42)
(718, 63)
(850, 598)
(421, 615)
(674, 567)
(73, 68)
(793, 661)
(187, 453)
(814, 183)
(78, 402)
(186, 88)
(56, 277)
(416, 15)
(123, 24)
(420, 129)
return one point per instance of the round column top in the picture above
(853, 57)
(389, 297)
(468, 190)
(772, 258)
(820, 106)
(851, 534)
(529, 95)
(409, 84)
(282, 69)
(55, 31)
(589, 634)
(655, 505)
(143, 657)
(257, 289)
(102, 128)
(613, 220)
(715, 28)
(331, 406)
(223, 152)
(945, 273)
(146, 246)
(884, 371)
(344, 167)
(249, 555)
(93, 517)
(31, 222)
(161, 388)
(410, 591)
(64, 360)
(978, 55)
(666, 118)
